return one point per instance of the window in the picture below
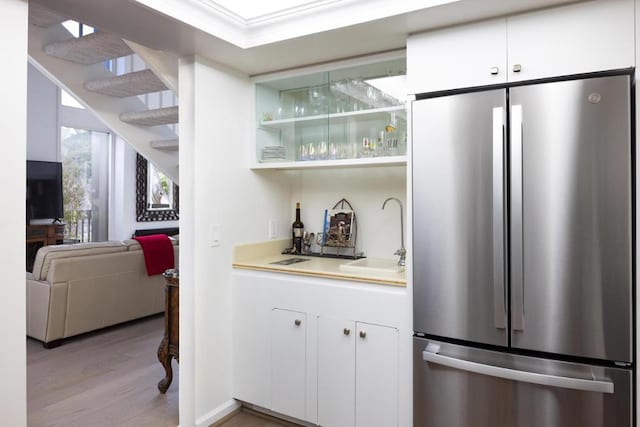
(69, 101)
(85, 168)
(77, 29)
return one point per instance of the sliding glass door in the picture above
(85, 171)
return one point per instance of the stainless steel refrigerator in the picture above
(522, 256)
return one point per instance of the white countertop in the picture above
(261, 256)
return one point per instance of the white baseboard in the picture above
(218, 413)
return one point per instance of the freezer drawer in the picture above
(459, 386)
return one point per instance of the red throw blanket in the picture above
(158, 253)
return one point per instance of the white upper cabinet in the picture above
(351, 115)
(579, 38)
(465, 56)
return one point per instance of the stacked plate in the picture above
(274, 152)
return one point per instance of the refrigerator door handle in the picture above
(499, 308)
(517, 262)
(595, 386)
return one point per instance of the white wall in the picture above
(13, 122)
(219, 188)
(43, 132)
(122, 208)
(80, 118)
(45, 115)
(366, 189)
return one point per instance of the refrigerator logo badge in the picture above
(594, 98)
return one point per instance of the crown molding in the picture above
(309, 18)
(307, 7)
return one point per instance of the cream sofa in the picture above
(83, 287)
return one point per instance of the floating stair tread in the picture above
(43, 17)
(160, 116)
(131, 84)
(90, 49)
(166, 144)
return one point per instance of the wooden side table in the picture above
(39, 236)
(170, 344)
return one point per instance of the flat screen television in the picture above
(44, 190)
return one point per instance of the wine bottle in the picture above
(297, 229)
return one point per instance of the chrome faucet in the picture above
(402, 251)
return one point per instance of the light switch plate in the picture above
(214, 234)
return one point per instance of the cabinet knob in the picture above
(494, 70)
(298, 322)
(517, 68)
(346, 331)
(363, 334)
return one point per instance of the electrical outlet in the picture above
(273, 229)
(214, 234)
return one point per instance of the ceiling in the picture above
(283, 43)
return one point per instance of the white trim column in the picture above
(187, 385)
(13, 122)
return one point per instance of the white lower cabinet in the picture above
(288, 362)
(315, 350)
(336, 372)
(357, 374)
(376, 376)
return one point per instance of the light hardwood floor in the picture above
(249, 418)
(106, 378)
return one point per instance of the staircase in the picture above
(84, 67)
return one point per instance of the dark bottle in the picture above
(297, 229)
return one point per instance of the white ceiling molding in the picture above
(309, 18)
(307, 7)
(323, 20)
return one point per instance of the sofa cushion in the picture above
(47, 254)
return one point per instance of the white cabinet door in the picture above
(458, 57)
(288, 362)
(376, 376)
(573, 39)
(336, 372)
(251, 332)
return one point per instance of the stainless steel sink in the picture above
(376, 266)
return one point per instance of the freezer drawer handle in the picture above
(521, 376)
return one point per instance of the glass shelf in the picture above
(336, 118)
(349, 117)
(399, 160)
